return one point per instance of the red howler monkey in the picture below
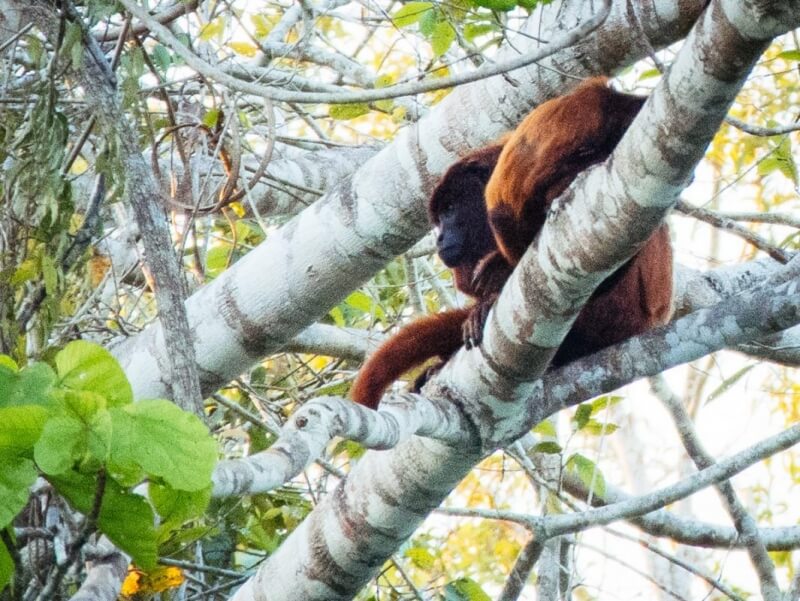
(537, 162)
(458, 210)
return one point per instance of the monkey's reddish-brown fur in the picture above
(554, 143)
(436, 335)
(537, 162)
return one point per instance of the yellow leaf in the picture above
(211, 29)
(79, 166)
(158, 580)
(243, 49)
(132, 583)
(263, 24)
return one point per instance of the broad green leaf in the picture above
(17, 475)
(167, 443)
(20, 428)
(344, 112)
(83, 365)
(548, 447)
(442, 38)
(465, 589)
(125, 518)
(30, 386)
(176, 507)
(410, 13)
(420, 557)
(60, 445)
(84, 435)
(588, 472)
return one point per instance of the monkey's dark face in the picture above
(458, 210)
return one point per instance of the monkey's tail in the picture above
(435, 335)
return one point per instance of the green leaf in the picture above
(20, 428)
(428, 21)
(781, 160)
(588, 472)
(599, 429)
(337, 316)
(161, 57)
(474, 30)
(17, 475)
(59, 446)
(211, 117)
(464, 589)
(363, 302)
(72, 44)
(83, 436)
(126, 518)
(31, 386)
(790, 55)
(84, 365)
(548, 447)
(175, 507)
(6, 567)
(343, 112)
(501, 5)
(604, 402)
(420, 557)
(545, 428)
(166, 442)
(49, 275)
(442, 38)
(410, 13)
(728, 383)
(582, 415)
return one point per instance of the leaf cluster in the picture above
(74, 423)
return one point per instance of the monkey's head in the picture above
(457, 209)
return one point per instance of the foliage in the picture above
(73, 422)
(67, 420)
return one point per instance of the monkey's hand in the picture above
(473, 326)
(489, 275)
